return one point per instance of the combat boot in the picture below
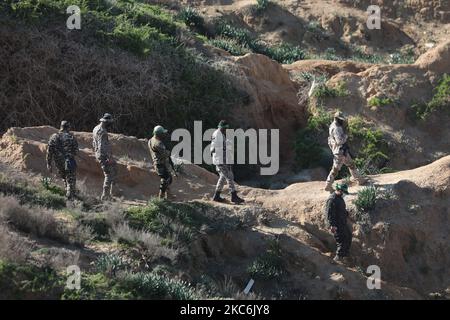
(106, 194)
(235, 199)
(217, 197)
(343, 260)
(105, 197)
(338, 259)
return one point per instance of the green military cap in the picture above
(342, 187)
(223, 125)
(339, 115)
(159, 130)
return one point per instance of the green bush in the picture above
(191, 17)
(230, 45)
(98, 286)
(110, 264)
(330, 54)
(48, 185)
(379, 102)
(314, 27)
(360, 55)
(284, 53)
(268, 266)
(261, 5)
(324, 91)
(228, 31)
(154, 286)
(366, 199)
(440, 100)
(140, 40)
(143, 14)
(169, 219)
(308, 145)
(24, 281)
(371, 148)
(407, 57)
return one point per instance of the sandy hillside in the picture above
(406, 235)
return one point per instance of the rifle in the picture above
(346, 150)
(170, 160)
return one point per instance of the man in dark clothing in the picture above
(337, 214)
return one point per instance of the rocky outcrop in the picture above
(412, 142)
(436, 60)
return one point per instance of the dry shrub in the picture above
(114, 213)
(49, 75)
(42, 222)
(56, 258)
(13, 247)
(151, 244)
(36, 221)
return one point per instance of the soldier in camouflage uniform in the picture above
(62, 149)
(221, 151)
(161, 160)
(103, 154)
(337, 141)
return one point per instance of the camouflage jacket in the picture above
(337, 138)
(158, 151)
(100, 143)
(61, 146)
(221, 149)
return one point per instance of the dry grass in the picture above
(13, 247)
(59, 78)
(56, 258)
(41, 222)
(150, 245)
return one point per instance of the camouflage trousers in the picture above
(166, 177)
(225, 175)
(69, 177)
(340, 160)
(110, 173)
